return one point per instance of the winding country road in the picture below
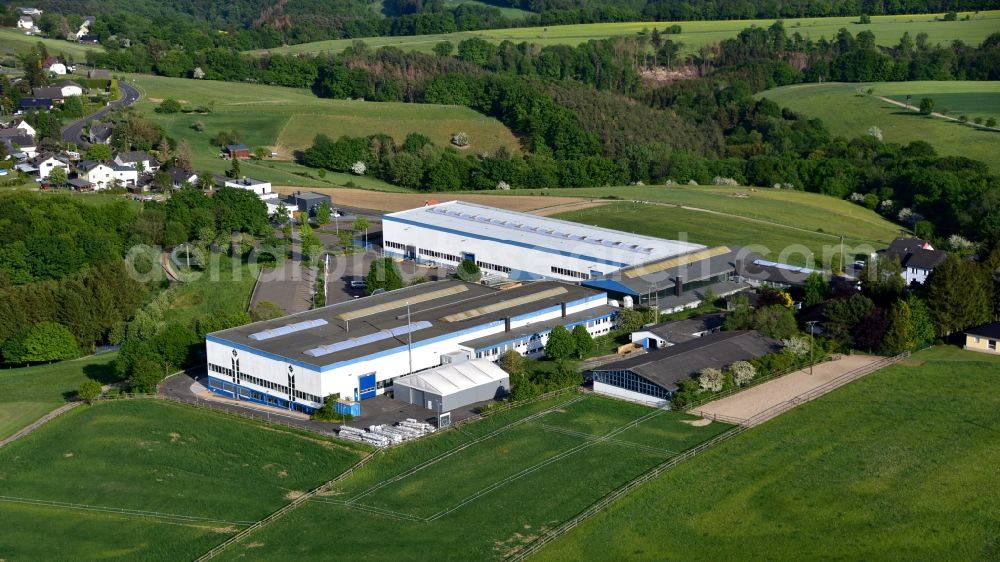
(71, 133)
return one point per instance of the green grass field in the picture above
(695, 34)
(29, 393)
(481, 502)
(223, 288)
(153, 456)
(286, 120)
(512, 13)
(847, 113)
(771, 241)
(900, 465)
(974, 99)
(16, 42)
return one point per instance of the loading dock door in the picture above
(367, 385)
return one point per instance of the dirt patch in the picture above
(567, 207)
(392, 202)
(698, 423)
(67, 455)
(224, 530)
(294, 495)
(174, 436)
(663, 75)
(255, 545)
(283, 474)
(911, 362)
(283, 152)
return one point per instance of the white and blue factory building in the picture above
(358, 348)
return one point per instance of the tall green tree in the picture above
(582, 341)
(817, 290)
(959, 294)
(560, 344)
(322, 217)
(45, 341)
(383, 274)
(899, 335)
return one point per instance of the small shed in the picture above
(236, 151)
(453, 386)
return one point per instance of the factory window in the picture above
(439, 255)
(570, 272)
(493, 267)
(395, 245)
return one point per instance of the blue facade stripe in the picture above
(503, 241)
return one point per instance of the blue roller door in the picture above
(366, 384)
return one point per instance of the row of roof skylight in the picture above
(370, 338)
(287, 329)
(617, 244)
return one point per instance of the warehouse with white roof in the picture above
(518, 245)
(453, 386)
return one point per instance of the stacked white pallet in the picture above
(382, 431)
(423, 427)
(351, 433)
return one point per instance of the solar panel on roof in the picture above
(367, 339)
(287, 329)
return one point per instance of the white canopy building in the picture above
(453, 386)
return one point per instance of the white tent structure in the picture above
(453, 386)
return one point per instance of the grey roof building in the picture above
(680, 331)
(656, 376)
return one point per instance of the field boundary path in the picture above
(898, 103)
(874, 364)
(766, 401)
(40, 422)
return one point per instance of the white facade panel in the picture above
(631, 396)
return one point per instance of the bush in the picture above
(743, 372)
(169, 105)
(460, 139)
(711, 380)
(89, 390)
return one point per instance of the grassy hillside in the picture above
(900, 465)
(286, 120)
(848, 113)
(974, 99)
(156, 457)
(29, 393)
(809, 212)
(15, 41)
(695, 34)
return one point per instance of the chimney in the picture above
(679, 285)
(562, 307)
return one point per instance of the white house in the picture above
(24, 126)
(134, 158)
(30, 11)
(45, 163)
(124, 174)
(100, 175)
(21, 146)
(918, 258)
(56, 68)
(25, 22)
(259, 187)
(69, 88)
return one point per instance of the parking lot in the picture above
(344, 269)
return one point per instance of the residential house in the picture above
(918, 258)
(259, 187)
(101, 175)
(307, 201)
(179, 177)
(30, 11)
(99, 74)
(34, 103)
(47, 162)
(25, 22)
(125, 175)
(236, 151)
(69, 88)
(89, 38)
(136, 159)
(56, 68)
(983, 338)
(53, 93)
(100, 133)
(18, 144)
(84, 29)
(658, 336)
(23, 126)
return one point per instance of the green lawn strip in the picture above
(34, 532)
(169, 458)
(694, 34)
(850, 114)
(29, 393)
(222, 288)
(897, 466)
(16, 42)
(773, 242)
